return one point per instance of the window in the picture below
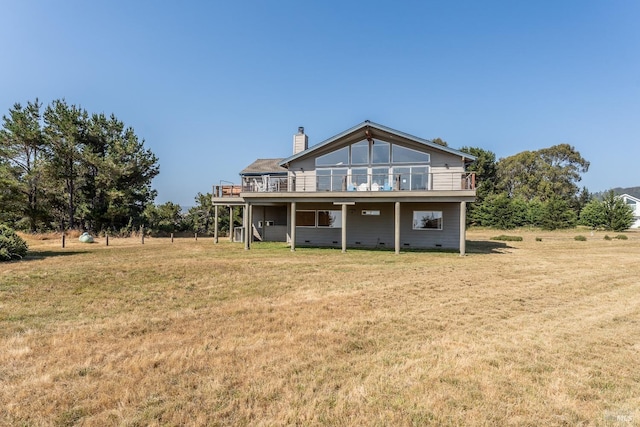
(323, 180)
(427, 220)
(305, 218)
(407, 155)
(380, 152)
(335, 158)
(411, 177)
(331, 219)
(360, 153)
(380, 178)
(331, 179)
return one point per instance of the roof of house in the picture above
(264, 166)
(628, 196)
(384, 131)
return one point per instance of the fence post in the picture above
(63, 238)
(171, 237)
(142, 234)
(196, 237)
(106, 237)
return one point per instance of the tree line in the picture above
(61, 167)
(540, 189)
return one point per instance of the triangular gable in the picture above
(376, 131)
(628, 196)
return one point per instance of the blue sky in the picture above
(212, 85)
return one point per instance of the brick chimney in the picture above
(300, 141)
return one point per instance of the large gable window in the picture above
(360, 153)
(380, 152)
(335, 158)
(373, 165)
(364, 153)
(407, 155)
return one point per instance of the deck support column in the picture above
(231, 223)
(463, 228)
(293, 226)
(397, 228)
(344, 228)
(246, 224)
(215, 224)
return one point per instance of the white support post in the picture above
(397, 228)
(231, 223)
(246, 226)
(463, 228)
(293, 226)
(215, 224)
(344, 228)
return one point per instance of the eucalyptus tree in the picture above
(543, 174)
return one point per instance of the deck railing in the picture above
(453, 181)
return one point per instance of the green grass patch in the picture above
(506, 238)
(580, 238)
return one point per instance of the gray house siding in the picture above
(377, 231)
(447, 238)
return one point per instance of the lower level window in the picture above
(427, 220)
(306, 218)
(322, 219)
(332, 219)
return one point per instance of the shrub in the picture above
(606, 237)
(621, 237)
(506, 238)
(538, 239)
(12, 246)
(580, 238)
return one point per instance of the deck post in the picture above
(215, 224)
(463, 228)
(293, 226)
(344, 227)
(231, 223)
(246, 226)
(397, 228)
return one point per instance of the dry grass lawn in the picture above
(191, 333)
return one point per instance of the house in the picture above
(368, 187)
(633, 203)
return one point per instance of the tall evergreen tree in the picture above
(610, 213)
(22, 148)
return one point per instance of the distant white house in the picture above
(633, 203)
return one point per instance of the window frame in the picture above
(337, 217)
(306, 211)
(422, 213)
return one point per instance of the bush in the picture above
(12, 246)
(606, 237)
(506, 238)
(580, 238)
(621, 237)
(538, 239)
